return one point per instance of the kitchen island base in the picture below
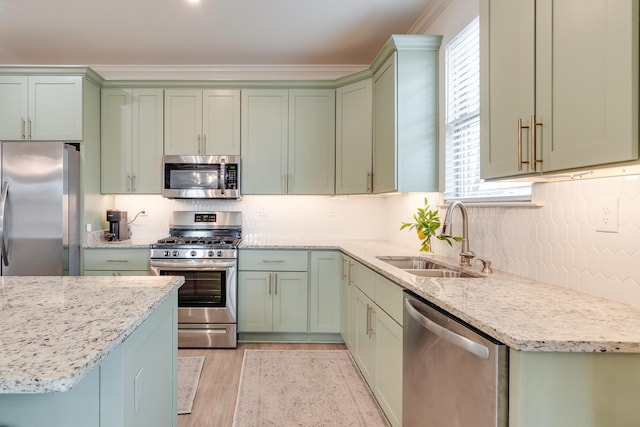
(135, 385)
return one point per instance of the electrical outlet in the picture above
(607, 215)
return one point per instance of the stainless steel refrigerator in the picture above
(40, 209)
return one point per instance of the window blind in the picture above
(462, 138)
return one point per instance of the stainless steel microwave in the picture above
(201, 177)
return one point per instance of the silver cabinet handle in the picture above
(29, 127)
(349, 272)
(275, 283)
(3, 218)
(369, 182)
(204, 144)
(22, 127)
(270, 277)
(199, 145)
(133, 183)
(117, 260)
(128, 183)
(444, 333)
(272, 260)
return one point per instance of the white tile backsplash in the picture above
(555, 242)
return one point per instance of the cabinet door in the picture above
(345, 299)
(264, 139)
(384, 127)
(311, 161)
(183, 121)
(290, 302)
(354, 138)
(507, 90)
(13, 107)
(221, 122)
(55, 108)
(324, 301)
(147, 149)
(587, 82)
(255, 296)
(364, 343)
(388, 366)
(115, 141)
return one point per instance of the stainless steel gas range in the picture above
(203, 247)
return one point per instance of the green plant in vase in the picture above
(427, 222)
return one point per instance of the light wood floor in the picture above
(215, 400)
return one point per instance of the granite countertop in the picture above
(522, 313)
(54, 330)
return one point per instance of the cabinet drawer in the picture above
(116, 259)
(363, 277)
(273, 260)
(388, 296)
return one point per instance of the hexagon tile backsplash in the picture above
(557, 241)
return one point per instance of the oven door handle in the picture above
(182, 265)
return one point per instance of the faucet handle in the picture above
(486, 265)
(466, 257)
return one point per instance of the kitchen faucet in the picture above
(466, 255)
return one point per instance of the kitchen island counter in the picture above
(55, 330)
(522, 313)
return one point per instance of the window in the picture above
(462, 138)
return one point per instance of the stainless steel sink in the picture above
(443, 272)
(423, 267)
(410, 263)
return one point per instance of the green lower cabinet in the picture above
(116, 262)
(272, 301)
(376, 335)
(324, 288)
(573, 389)
(387, 377)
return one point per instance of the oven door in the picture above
(209, 292)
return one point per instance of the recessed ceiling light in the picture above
(193, 1)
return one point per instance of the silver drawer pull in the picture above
(272, 260)
(117, 260)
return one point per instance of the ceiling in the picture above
(134, 38)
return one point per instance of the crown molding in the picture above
(428, 16)
(226, 72)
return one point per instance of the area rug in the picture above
(189, 369)
(304, 388)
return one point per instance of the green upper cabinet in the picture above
(265, 114)
(288, 141)
(405, 114)
(131, 141)
(41, 108)
(354, 138)
(559, 85)
(312, 153)
(202, 122)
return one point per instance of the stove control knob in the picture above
(219, 253)
(194, 253)
(167, 253)
(176, 253)
(210, 254)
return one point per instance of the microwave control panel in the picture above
(231, 172)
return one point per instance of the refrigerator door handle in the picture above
(3, 217)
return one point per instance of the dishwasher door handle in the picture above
(444, 333)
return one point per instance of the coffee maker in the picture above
(118, 225)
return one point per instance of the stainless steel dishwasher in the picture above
(453, 375)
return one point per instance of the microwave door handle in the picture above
(223, 176)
